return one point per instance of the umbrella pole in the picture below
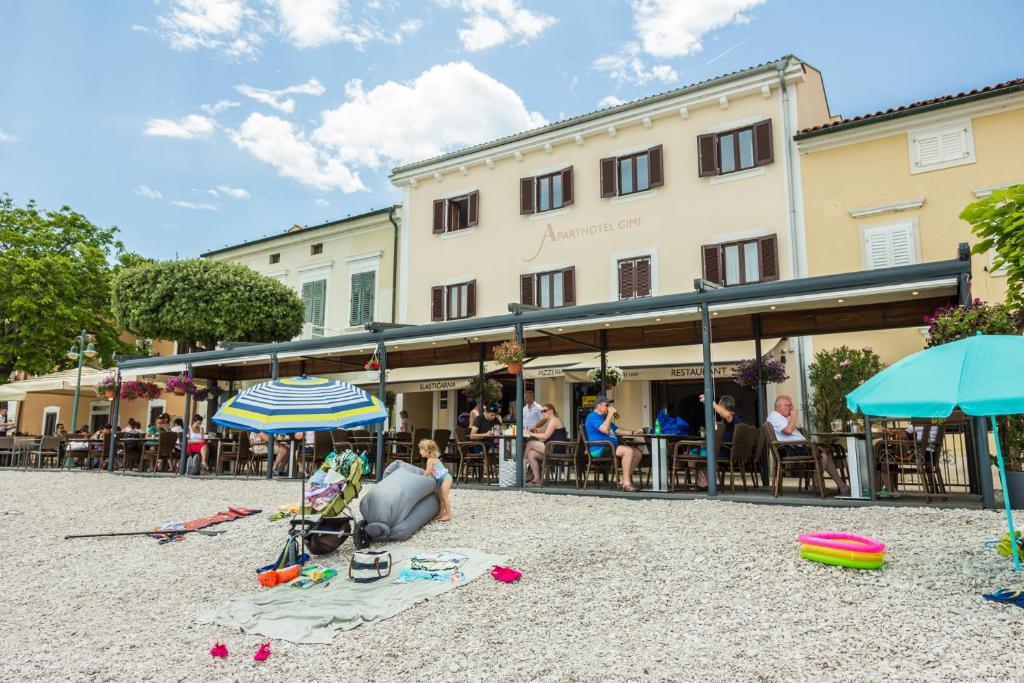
(302, 500)
(1006, 495)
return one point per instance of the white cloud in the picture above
(191, 205)
(609, 101)
(312, 23)
(493, 22)
(405, 122)
(147, 192)
(236, 192)
(274, 99)
(276, 142)
(186, 128)
(227, 26)
(674, 28)
(628, 66)
(6, 137)
(322, 202)
(219, 106)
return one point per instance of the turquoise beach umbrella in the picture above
(982, 375)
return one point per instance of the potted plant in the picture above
(133, 389)
(489, 391)
(772, 372)
(181, 385)
(613, 375)
(106, 386)
(510, 354)
(950, 323)
(834, 373)
(373, 364)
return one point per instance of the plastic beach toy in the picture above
(842, 549)
(263, 652)
(505, 574)
(219, 650)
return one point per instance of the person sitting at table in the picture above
(132, 439)
(725, 408)
(476, 411)
(550, 428)
(487, 421)
(598, 427)
(791, 442)
(404, 423)
(5, 423)
(77, 445)
(99, 459)
(197, 443)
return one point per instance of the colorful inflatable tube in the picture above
(842, 549)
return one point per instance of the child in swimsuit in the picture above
(436, 469)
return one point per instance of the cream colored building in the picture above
(634, 200)
(886, 189)
(344, 270)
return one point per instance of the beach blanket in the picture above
(317, 615)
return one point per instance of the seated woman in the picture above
(550, 428)
(197, 443)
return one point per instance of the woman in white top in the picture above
(197, 441)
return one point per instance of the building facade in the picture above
(887, 189)
(631, 201)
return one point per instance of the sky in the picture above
(196, 124)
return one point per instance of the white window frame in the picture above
(613, 269)
(914, 134)
(915, 238)
(365, 263)
(51, 410)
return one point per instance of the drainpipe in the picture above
(394, 265)
(794, 228)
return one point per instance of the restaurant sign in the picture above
(691, 371)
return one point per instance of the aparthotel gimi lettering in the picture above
(597, 230)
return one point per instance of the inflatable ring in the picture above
(807, 554)
(841, 540)
(843, 554)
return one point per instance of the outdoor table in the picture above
(502, 439)
(857, 458)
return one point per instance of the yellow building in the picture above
(630, 201)
(886, 189)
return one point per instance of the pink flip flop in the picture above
(219, 650)
(505, 574)
(263, 652)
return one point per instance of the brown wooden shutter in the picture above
(471, 299)
(474, 208)
(438, 216)
(527, 189)
(763, 152)
(569, 286)
(437, 303)
(707, 155)
(526, 296)
(768, 253)
(627, 279)
(713, 263)
(642, 272)
(656, 172)
(567, 186)
(609, 186)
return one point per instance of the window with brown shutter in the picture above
(657, 172)
(458, 300)
(439, 214)
(526, 296)
(471, 299)
(632, 173)
(569, 286)
(608, 172)
(735, 150)
(551, 289)
(635, 277)
(567, 193)
(742, 263)
(437, 303)
(473, 210)
(526, 204)
(456, 213)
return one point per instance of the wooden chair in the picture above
(681, 455)
(810, 460)
(323, 444)
(227, 452)
(607, 464)
(400, 447)
(418, 435)
(743, 455)
(165, 447)
(150, 448)
(48, 447)
(341, 440)
(131, 445)
(7, 451)
(474, 454)
(442, 437)
(248, 461)
(560, 454)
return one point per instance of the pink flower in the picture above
(838, 375)
(844, 363)
(869, 349)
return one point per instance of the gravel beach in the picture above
(612, 589)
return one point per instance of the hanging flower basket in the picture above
(510, 354)
(132, 390)
(106, 386)
(614, 375)
(772, 372)
(373, 364)
(181, 385)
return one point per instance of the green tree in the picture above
(999, 221)
(199, 303)
(54, 281)
(835, 373)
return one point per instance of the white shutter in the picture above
(888, 246)
(938, 147)
(928, 150)
(953, 145)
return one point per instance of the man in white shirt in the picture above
(784, 423)
(531, 411)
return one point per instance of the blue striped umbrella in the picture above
(299, 404)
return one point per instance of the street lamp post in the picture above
(85, 342)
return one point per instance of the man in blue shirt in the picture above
(598, 427)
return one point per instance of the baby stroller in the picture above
(325, 522)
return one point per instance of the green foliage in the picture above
(998, 220)
(833, 375)
(54, 282)
(950, 323)
(200, 303)
(489, 391)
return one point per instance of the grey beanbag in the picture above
(403, 501)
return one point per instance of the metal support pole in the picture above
(984, 461)
(519, 418)
(270, 437)
(382, 356)
(762, 400)
(183, 460)
(603, 336)
(480, 380)
(115, 410)
(709, 398)
(78, 382)
(869, 452)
